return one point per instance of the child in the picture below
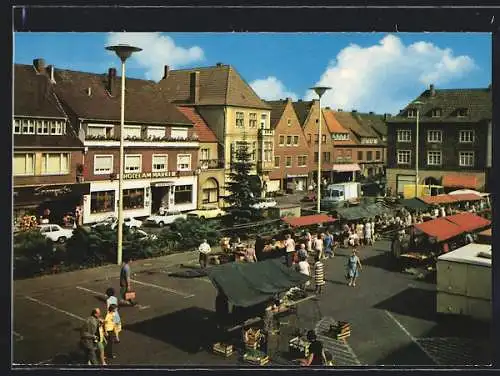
(112, 299)
(319, 274)
(110, 330)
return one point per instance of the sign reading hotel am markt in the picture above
(151, 175)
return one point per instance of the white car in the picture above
(164, 219)
(112, 221)
(207, 213)
(265, 203)
(143, 235)
(55, 232)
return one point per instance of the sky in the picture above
(379, 72)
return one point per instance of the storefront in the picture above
(56, 200)
(296, 183)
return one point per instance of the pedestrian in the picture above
(290, 249)
(374, 236)
(353, 264)
(443, 211)
(360, 232)
(204, 250)
(89, 336)
(101, 344)
(112, 299)
(303, 267)
(125, 285)
(303, 251)
(317, 356)
(309, 240)
(270, 326)
(110, 330)
(319, 274)
(328, 244)
(250, 255)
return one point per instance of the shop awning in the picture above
(38, 194)
(248, 284)
(414, 203)
(439, 199)
(460, 181)
(466, 197)
(308, 220)
(469, 221)
(440, 228)
(348, 167)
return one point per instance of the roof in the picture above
(459, 180)
(477, 101)
(469, 221)
(469, 254)
(308, 220)
(466, 197)
(414, 203)
(34, 94)
(441, 229)
(219, 85)
(373, 121)
(302, 109)
(248, 284)
(332, 123)
(349, 121)
(438, 199)
(205, 134)
(145, 102)
(277, 109)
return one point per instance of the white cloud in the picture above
(271, 88)
(157, 50)
(386, 76)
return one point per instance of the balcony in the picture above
(114, 141)
(141, 139)
(211, 164)
(265, 166)
(266, 132)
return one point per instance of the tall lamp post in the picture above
(123, 51)
(417, 104)
(319, 90)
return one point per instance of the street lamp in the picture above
(319, 90)
(417, 104)
(123, 51)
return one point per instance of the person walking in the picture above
(303, 253)
(368, 233)
(110, 330)
(204, 250)
(112, 299)
(353, 264)
(125, 285)
(318, 245)
(319, 274)
(101, 344)
(303, 267)
(89, 336)
(290, 249)
(328, 244)
(309, 241)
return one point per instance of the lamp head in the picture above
(123, 51)
(417, 103)
(320, 90)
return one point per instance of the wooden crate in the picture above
(223, 349)
(259, 360)
(299, 347)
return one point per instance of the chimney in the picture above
(219, 65)
(166, 71)
(195, 86)
(39, 65)
(111, 79)
(432, 90)
(50, 71)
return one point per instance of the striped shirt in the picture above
(319, 273)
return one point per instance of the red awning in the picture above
(466, 197)
(469, 221)
(349, 167)
(308, 220)
(460, 181)
(440, 228)
(439, 199)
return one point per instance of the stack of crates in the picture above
(252, 338)
(223, 349)
(341, 330)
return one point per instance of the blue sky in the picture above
(367, 71)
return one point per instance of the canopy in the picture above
(460, 180)
(351, 167)
(414, 203)
(439, 199)
(469, 221)
(460, 197)
(308, 220)
(441, 229)
(248, 284)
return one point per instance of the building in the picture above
(292, 161)
(210, 162)
(377, 123)
(230, 107)
(161, 149)
(455, 140)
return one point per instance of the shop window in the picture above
(252, 122)
(24, 164)
(133, 163)
(133, 198)
(55, 163)
(132, 131)
(155, 132)
(103, 164)
(101, 202)
(184, 162)
(183, 194)
(179, 133)
(160, 162)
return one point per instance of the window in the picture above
(434, 136)
(326, 156)
(315, 156)
(282, 140)
(289, 140)
(56, 127)
(372, 141)
(316, 138)
(437, 112)
(160, 162)
(340, 136)
(288, 161)
(276, 162)
(240, 119)
(309, 137)
(17, 126)
(179, 133)
(462, 112)
(412, 113)
(205, 154)
(133, 163)
(434, 158)
(133, 198)
(28, 126)
(348, 154)
(466, 137)
(268, 151)
(24, 164)
(55, 163)
(404, 157)
(360, 155)
(369, 155)
(323, 138)
(183, 194)
(100, 130)
(254, 150)
(252, 122)
(296, 140)
(103, 164)
(156, 132)
(302, 160)
(183, 162)
(132, 131)
(289, 122)
(404, 135)
(377, 155)
(263, 121)
(42, 127)
(101, 202)
(466, 159)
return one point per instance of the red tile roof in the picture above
(308, 220)
(333, 124)
(464, 181)
(439, 199)
(466, 197)
(469, 221)
(440, 228)
(205, 134)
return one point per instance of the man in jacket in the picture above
(89, 336)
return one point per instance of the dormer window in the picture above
(412, 113)
(437, 112)
(462, 112)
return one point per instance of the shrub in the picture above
(33, 253)
(186, 234)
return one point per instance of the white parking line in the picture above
(93, 292)
(413, 339)
(163, 288)
(18, 336)
(55, 308)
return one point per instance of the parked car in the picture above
(55, 232)
(143, 235)
(164, 219)
(112, 221)
(265, 203)
(206, 213)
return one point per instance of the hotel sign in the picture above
(151, 175)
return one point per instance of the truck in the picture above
(337, 195)
(422, 190)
